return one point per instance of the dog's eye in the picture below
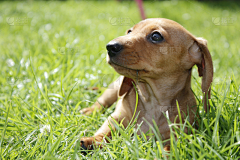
(129, 31)
(156, 37)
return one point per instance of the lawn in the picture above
(52, 52)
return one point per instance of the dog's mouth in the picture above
(111, 62)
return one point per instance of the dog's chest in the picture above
(151, 111)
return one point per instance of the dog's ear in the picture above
(200, 55)
(125, 86)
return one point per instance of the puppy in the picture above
(157, 56)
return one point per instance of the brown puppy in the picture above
(157, 55)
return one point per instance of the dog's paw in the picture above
(87, 111)
(87, 143)
(90, 143)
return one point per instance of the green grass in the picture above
(43, 85)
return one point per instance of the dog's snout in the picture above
(114, 48)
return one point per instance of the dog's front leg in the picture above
(88, 143)
(105, 100)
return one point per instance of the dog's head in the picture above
(159, 47)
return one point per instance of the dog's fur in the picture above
(161, 72)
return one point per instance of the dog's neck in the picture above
(165, 90)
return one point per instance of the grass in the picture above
(55, 50)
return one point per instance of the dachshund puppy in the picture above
(157, 56)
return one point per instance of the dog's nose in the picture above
(113, 48)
